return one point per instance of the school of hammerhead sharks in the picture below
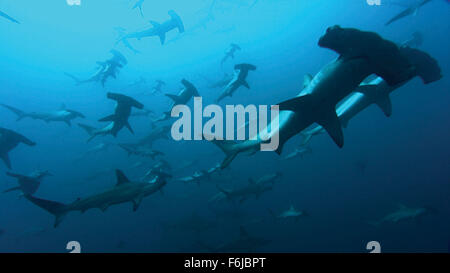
(367, 70)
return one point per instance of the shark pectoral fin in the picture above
(297, 104)
(162, 37)
(137, 202)
(68, 123)
(244, 83)
(307, 79)
(129, 127)
(372, 91)
(12, 189)
(330, 122)
(172, 97)
(5, 158)
(386, 105)
(108, 118)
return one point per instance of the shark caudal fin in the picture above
(59, 210)
(327, 119)
(230, 150)
(20, 114)
(426, 67)
(383, 55)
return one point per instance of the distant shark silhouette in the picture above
(410, 10)
(2, 14)
(158, 29)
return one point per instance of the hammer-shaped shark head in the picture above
(383, 56)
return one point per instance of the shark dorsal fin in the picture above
(62, 107)
(307, 80)
(291, 208)
(251, 181)
(121, 178)
(155, 24)
(401, 206)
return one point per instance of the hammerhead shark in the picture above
(158, 86)
(239, 79)
(291, 213)
(61, 115)
(403, 213)
(28, 184)
(410, 10)
(158, 132)
(157, 29)
(230, 53)
(253, 188)
(197, 178)
(298, 152)
(140, 151)
(138, 5)
(361, 54)
(377, 91)
(8, 141)
(124, 191)
(189, 91)
(2, 14)
(118, 120)
(105, 70)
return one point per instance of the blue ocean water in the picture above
(385, 162)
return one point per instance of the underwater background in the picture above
(404, 159)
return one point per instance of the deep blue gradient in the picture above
(406, 157)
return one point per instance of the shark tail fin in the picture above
(77, 80)
(20, 114)
(426, 67)
(230, 150)
(59, 210)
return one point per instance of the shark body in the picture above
(124, 191)
(239, 79)
(61, 115)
